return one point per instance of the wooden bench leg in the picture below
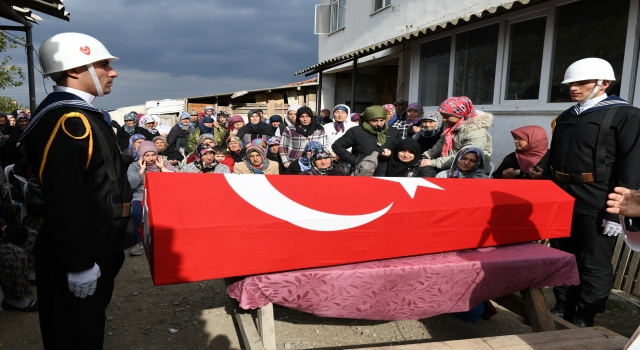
(537, 311)
(250, 336)
(266, 326)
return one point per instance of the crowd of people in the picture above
(84, 198)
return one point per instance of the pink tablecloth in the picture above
(413, 287)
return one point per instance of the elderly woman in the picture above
(277, 124)
(220, 132)
(167, 153)
(235, 123)
(464, 126)
(530, 157)
(291, 116)
(179, 134)
(205, 161)
(272, 152)
(207, 139)
(468, 164)
(146, 127)
(256, 162)
(148, 161)
(431, 128)
(296, 137)
(223, 119)
(406, 161)
(321, 163)
(411, 125)
(303, 163)
(234, 149)
(339, 126)
(160, 126)
(205, 127)
(391, 113)
(373, 135)
(256, 129)
(123, 133)
(355, 118)
(325, 117)
(130, 154)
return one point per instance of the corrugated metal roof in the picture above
(304, 83)
(23, 8)
(420, 33)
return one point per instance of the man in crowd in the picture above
(594, 149)
(74, 154)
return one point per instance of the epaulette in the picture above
(60, 124)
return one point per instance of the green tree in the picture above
(10, 75)
(7, 104)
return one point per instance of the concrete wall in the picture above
(403, 16)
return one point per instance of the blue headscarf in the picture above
(132, 140)
(204, 129)
(304, 161)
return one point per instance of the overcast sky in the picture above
(174, 49)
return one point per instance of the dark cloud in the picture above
(253, 41)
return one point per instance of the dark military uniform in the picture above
(81, 226)
(574, 166)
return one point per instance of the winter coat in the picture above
(171, 153)
(177, 138)
(121, 135)
(242, 168)
(262, 131)
(144, 132)
(333, 135)
(396, 168)
(292, 143)
(127, 157)
(362, 144)
(510, 161)
(471, 132)
(276, 158)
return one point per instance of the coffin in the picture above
(205, 226)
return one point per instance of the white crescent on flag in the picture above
(258, 192)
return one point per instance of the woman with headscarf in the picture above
(208, 139)
(303, 163)
(411, 125)
(256, 162)
(464, 126)
(325, 117)
(334, 130)
(406, 161)
(431, 128)
(234, 148)
(401, 109)
(130, 154)
(5, 132)
(272, 152)
(296, 137)
(167, 153)
(123, 133)
(373, 135)
(530, 157)
(147, 161)
(205, 162)
(355, 118)
(277, 124)
(179, 134)
(205, 127)
(220, 132)
(146, 127)
(391, 113)
(467, 164)
(321, 163)
(223, 119)
(160, 126)
(235, 123)
(21, 124)
(255, 129)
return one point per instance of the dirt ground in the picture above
(199, 316)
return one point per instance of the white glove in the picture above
(85, 282)
(611, 228)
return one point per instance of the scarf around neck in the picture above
(380, 135)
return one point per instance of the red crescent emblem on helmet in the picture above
(85, 50)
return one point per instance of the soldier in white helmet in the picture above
(74, 153)
(595, 147)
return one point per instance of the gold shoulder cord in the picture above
(60, 123)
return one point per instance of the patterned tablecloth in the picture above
(412, 287)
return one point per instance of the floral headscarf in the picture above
(273, 141)
(132, 140)
(208, 167)
(320, 153)
(459, 106)
(478, 169)
(146, 119)
(263, 154)
(391, 108)
(431, 115)
(304, 162)
(418, 108)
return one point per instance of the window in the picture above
(338, 9)
(379, 4)
(475, 68)
(525, 59)
(582, 32)
(434, 71)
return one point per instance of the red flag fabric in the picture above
(252, 224)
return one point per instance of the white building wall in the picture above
(402, 17)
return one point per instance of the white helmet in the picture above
(71, 50)
(588, 69)
(631, 238)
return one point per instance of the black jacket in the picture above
(171, 154)
(573, 149)
(293, 169)
(510, 161)
(363, 144)
(144, 132)
(122, 135)
(427, 143)
(396, 168)
(177, 138)
(276, 158)
(263, 131)
(70, 236)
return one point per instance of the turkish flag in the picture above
(206, 226)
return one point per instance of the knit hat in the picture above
(355, 116)
(236, 118)
(184, 115)
(374, 112)
(275, 140)
(275, 118)
(255, 148)
(146, 146)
